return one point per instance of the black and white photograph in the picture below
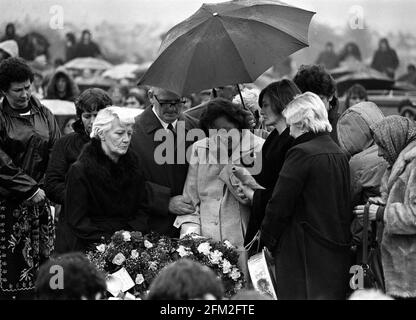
(225, 151)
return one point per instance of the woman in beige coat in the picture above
(395, 137)
(215, 163)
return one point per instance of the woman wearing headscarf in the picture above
(395, 137)
(308, 217)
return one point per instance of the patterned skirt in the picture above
(26, 241)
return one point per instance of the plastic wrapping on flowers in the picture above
(143, 256)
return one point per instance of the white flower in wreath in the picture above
(148, 244)
(139, 279)
(126, 236)
(153, 265)
(183, 251)
(134, 254)
(101, 248)
(119, 259)
(228, 244)
(215, 257)
(204, 248)
(235, 274)
(239, 285)
(226, 266)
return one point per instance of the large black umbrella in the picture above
(227, 43)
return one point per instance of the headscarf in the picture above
(393, 134)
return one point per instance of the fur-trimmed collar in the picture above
(102, 169)
(407, 155)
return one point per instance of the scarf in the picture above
(393, 134)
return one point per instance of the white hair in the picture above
(105, 117)
(307, 112)
(369, 294)
(250, 97)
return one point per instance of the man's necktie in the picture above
(171, 129)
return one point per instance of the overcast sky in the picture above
(382, 15)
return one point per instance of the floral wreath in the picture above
(144, 256)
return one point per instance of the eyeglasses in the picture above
(169, 103)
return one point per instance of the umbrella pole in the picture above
(242, 102)
(241, 96)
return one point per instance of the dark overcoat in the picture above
(64, 153)
(273, 156)
(163, 181)
(307, 221)
(101, 197)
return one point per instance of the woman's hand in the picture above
(245, 192)
(372, 212)
(38, 197)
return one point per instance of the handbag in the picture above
(261, 269)
(371, 257)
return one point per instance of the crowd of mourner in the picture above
(321, 176)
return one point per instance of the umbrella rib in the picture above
(254, 21)
(286, 31)
(172, 41)
(193, 56)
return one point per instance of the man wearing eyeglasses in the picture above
(164, 181)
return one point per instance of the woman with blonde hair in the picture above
(105, 186)
(306, 224)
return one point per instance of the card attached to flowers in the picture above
(119, 281)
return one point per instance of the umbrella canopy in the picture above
(59, 107)
(369, 78)
(348, 67)
(88, 63)
(122, 71)
(227, 43)
(94, 82)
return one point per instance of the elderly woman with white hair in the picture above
(307, 220)
(105, 186)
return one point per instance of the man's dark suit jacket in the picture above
(163, 181)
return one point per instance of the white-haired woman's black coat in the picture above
(101, 197)
(307, 221)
